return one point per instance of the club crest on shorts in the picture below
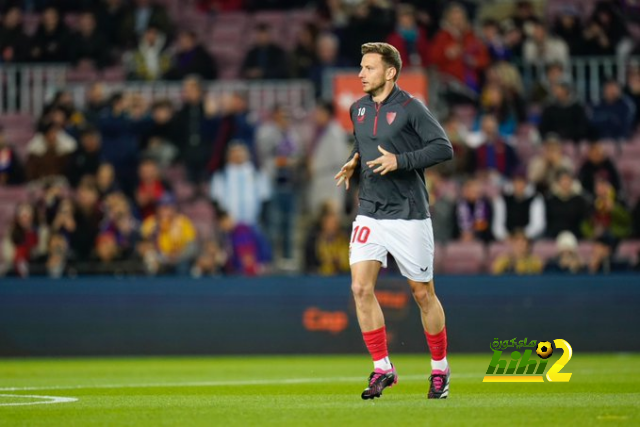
(391, 116)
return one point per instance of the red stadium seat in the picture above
(464, 258)
(584, 250)
(495, 250)
(545, 249)
(629, 249)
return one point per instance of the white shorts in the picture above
(409, 241)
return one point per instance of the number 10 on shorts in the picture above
(360, 234)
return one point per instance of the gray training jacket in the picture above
(404, 126)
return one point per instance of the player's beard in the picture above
(375, 90)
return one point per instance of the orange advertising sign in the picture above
(347, 89)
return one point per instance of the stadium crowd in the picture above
(533, 165)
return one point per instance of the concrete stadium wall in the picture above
(163, 316)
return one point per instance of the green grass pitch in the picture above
(307, 390)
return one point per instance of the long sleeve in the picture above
(437, 147)
(537, 218)
(356, 148)
(499, 225)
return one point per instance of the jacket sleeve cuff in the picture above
(402, 161)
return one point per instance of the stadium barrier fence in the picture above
(298, 315)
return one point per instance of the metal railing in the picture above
(26, 89)
(587, 73)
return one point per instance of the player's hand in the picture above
(347, 170)
(386, 163)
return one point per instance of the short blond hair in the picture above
(390, 55)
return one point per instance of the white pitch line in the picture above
(48, 400)
(228, 383)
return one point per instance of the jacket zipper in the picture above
(375, 121)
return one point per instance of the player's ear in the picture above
(391, 73)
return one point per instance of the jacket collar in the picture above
(394, 93)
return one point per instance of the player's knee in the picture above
(361, 289)
(423, 294)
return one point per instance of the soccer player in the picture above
(396, 137)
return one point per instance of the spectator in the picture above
(598, 165)
(236, 124)
(603, 259)
(442, 206)
(636, 220)
(87, 218)
(604, 31)
(519, 260)
(541, 48)
(327, 246)
(279, 150)
(111, 15)
(211, 260)
(87, 157)
(607, 215)
(121, 224)
(120, 145)
(51, 41)
(633, 91)
(542, 92)
(519, 207)
(23, 242)
(57, 256)
(524, 15)
(369, 20)
(89, 48)
(457, 52)
(239, 188)
(614, 117)
(64, 221)
(473, 213)
(14, 43)
(11, 169)
(265, 60)
(544, 167)
(49, 152)
(142, 15)
(169, 239)
(493, 101)
(326, 154)
(569, 28)
(150, 61)
(492, 38)
(409, 38)
(106, 180)
(458, 135)
(150, 188)
(159, 139)
(250, 253)
(95, 103)
(327, 59)
(566, 207)
(304, 55)
(197, 125)
(568, 259)
(191, 58)
(564, 116)
(493, 155)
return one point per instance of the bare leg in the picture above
(363, 281)
(431, 310)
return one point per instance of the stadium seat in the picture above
(629, 250)
(495, 250)
(82, 75)
(545, 249)
(584, 250)
(464, 258)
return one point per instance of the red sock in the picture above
(376, 342)
(437, 344)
